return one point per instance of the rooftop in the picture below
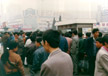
(76, 21)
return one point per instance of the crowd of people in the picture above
(53, 53)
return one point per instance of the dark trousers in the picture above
(92, 65)
(75, 63)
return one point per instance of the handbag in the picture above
(84, 65)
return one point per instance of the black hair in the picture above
(28, 34)
(67, 34)
(95, 30)
(52, 37)
(39, 34)
(12, 45)
(75, 32)
(6, 33)
(80, 34)
(70, 32)
(39, 39)
(33, 36)
(17, 33)
(10, 34)
(100, 34)
(105, 39)
(60, 32)
(88, 34)
(100, 40)
(21, 33)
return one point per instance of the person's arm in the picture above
(69, 47)
(36, 62)
(20, 66)
(66, 45)
(45, 71)
(104, 62)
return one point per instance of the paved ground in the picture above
(27, 71)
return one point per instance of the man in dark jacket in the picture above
(40, 55)
(91, 50)
(81, 47)
(30, 49)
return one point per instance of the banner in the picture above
(103, 27)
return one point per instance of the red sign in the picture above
(16, 26)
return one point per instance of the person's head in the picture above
(16, 35)
(13, 46)
(80, 35)
(38, 41)
(74, 32)
(39, 34)
(105, 41)
(95, 32)
(51, 40)
(28, 34)
(100, 34)
(11, 34)
(23, 34)
(88, 34)
(33, 36)
(67, 34)
(99, 42)
(6, 33)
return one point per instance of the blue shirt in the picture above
(63, 44)
(40, 55)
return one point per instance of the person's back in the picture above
(69, 40)
(12, 61)
(40, 55)
(74, 46)
(81, 45)
(63, 44)
(81, 49)
(14, 58)
(30, 50)
(59, 64)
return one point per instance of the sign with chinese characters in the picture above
(103, 27)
